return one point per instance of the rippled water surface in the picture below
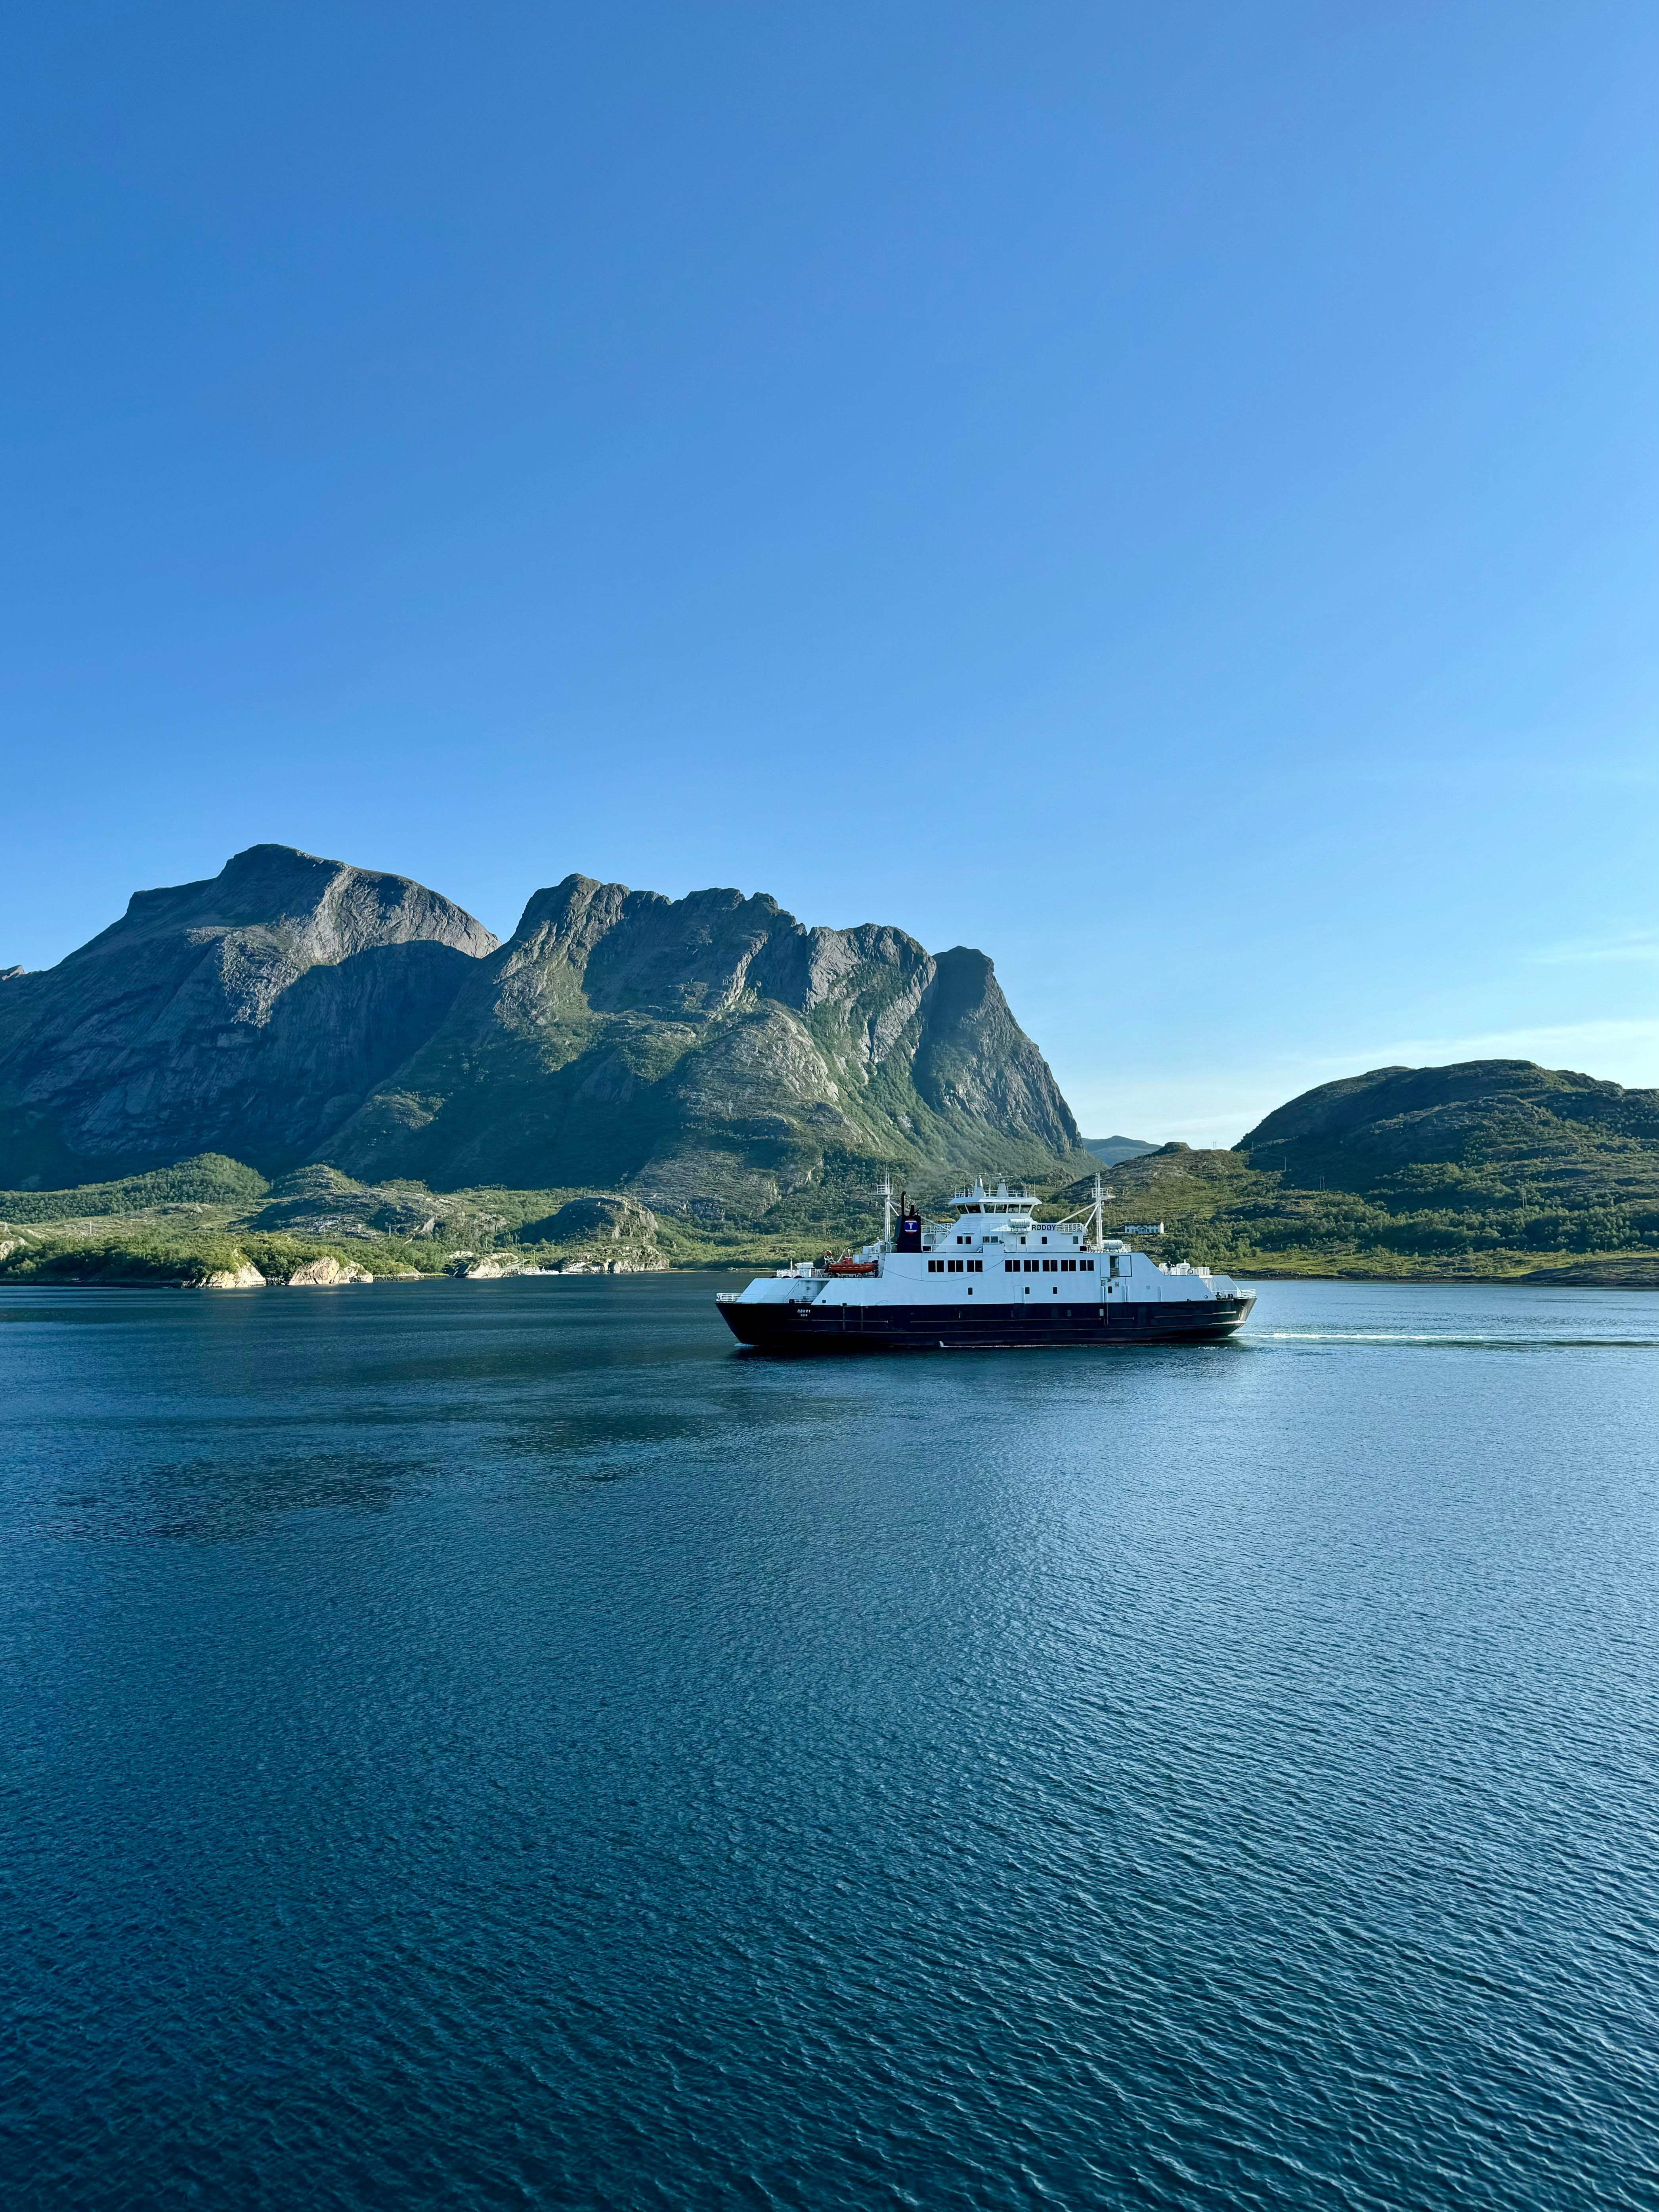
(494, 1745)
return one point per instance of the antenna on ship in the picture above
(886, 1208)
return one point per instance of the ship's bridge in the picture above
(1013, 1206)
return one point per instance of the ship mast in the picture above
(1101, 1196)
(887, 1209)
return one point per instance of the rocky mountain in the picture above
(249, 1014)
(707, 1055)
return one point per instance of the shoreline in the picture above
(1639, 1274)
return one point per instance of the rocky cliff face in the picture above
(248, 1015)
(707, 1054)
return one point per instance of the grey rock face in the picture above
(491, 1268)
(248, 1014)
(326, 1274)
(709, 1052)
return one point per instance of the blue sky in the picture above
(1167, 495)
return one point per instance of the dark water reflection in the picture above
(492, 1745)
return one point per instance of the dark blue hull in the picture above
(785, 1327)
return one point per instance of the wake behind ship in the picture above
(994, 1277)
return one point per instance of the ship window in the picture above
(1068, 1267)
(935, 1266)
(1030, 1267)
(1049, 1266)
(1045, 1240)
(1011, 1266)
(976, 1267)
(1086, 1266)
(955, 1266)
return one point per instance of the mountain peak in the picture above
(247, 1012)
(702, 1051)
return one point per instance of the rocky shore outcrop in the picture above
(325, 1274)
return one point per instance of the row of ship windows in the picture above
(1013, 1266)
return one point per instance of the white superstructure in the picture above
(996, 1268)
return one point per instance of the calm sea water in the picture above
(494, 1745)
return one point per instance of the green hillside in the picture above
(212, 1215)
(1495, 1168)
(1490, 1168)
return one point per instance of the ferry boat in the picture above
(993, 1275)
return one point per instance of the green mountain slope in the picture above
(1488, 1167)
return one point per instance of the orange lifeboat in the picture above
(846, 1267)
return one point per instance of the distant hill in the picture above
(710, 1056)
(1488, 1166)
(1112, 1149)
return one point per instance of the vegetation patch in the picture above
(209, 1179)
